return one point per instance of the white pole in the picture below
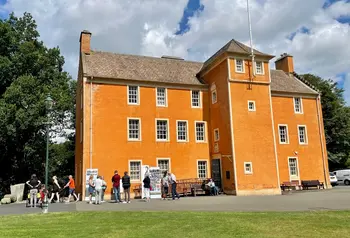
(251, 39)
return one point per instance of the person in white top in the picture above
(172, 181)
(98, 190)
(104, 187)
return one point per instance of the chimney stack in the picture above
(285, 63)
(85, 37)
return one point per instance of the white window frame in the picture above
(306, 138)
(301, 105)
(168, 132)
(200, 99)
(129, 163)
(165, 97)
(140, 128)
(294, 177)
(169, 161)
(207, 167)
(262, 68)
(205, 131)
(81, 130)
(251, 168)
(243, 68)
(279, 134)
(216, 131)
(254, 108)
(138, 95)
(177, 131)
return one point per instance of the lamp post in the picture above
(48, 103)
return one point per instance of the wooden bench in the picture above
(312, 183)
(195, 188)
(290, 184)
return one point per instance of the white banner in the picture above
(93, 172)
(155, 176)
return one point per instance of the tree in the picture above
(29, 71)
(336, 116)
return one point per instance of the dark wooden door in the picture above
(216, 172)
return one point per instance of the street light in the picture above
(48, 104)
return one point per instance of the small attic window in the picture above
(239, 65)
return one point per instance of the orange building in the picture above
(248, 131)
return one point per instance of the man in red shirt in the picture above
(116, 186)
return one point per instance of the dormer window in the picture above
(239, 66)
(298, 106)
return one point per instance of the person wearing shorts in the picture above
(71, 185)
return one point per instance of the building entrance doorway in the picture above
(216, 172)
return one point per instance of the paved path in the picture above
(334, 199)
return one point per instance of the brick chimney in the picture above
(285, 63)
(85, 37)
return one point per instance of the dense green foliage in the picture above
(178, 224)
(336, 116)
(29, 71)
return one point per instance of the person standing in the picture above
(126, 187)
(172, 180)
(116, 186)
(165, 185)
(33, 184)
(104, 187)
(147, 187)
(98, 190)
(71, 185)
(91, 188)
(55, 190)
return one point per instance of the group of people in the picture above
(169, 179)
(99, 186)
(36, 187)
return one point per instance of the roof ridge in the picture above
(299, 77)
(240, 45)
(145, 56)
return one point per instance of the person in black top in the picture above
(147, 187)
(126, 186)
(55, 189)
(33, 184)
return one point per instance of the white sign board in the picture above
(155, 176)
(94, 173)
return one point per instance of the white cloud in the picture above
(147, 27)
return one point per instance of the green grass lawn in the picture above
(177, 224)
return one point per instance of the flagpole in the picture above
(251, 40)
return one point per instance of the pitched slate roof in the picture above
(281, 82)
(132, 67)
(168, 70)
(234, 47)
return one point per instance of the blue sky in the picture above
(193, 7)
(317, 42)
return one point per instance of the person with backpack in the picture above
(116, 186)
(126, 186)
(33, 184)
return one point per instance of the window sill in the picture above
(134, 140)
(157, 140)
